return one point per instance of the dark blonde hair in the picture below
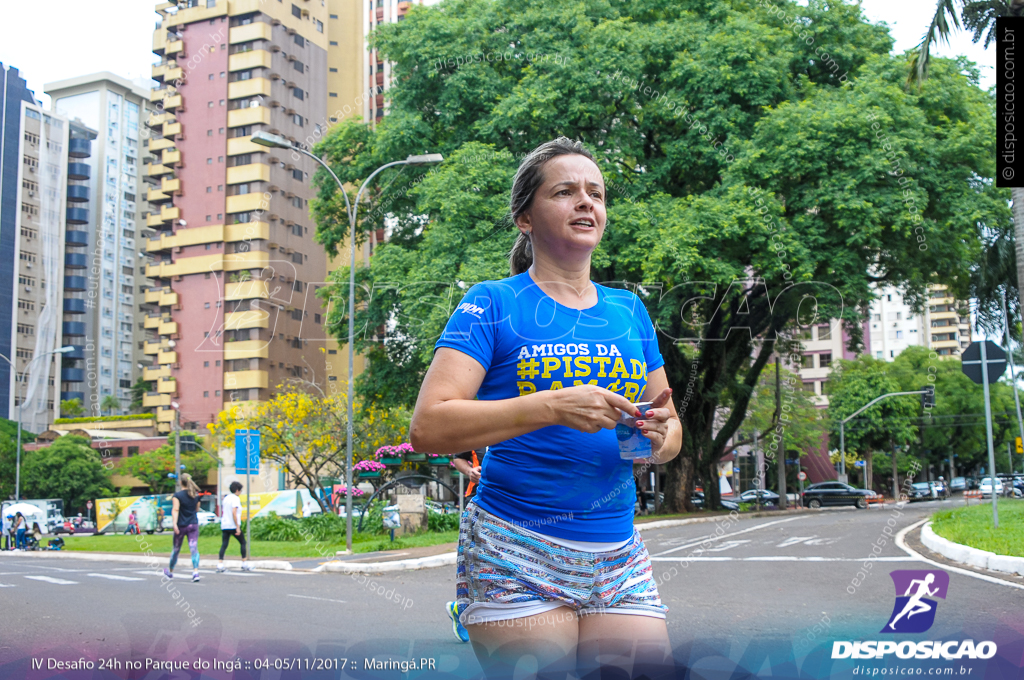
(188, 485)
(528, 179)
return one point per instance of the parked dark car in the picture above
(958, 484)
(698, 501)
(767, 497)
(920, 491)
(833, 494)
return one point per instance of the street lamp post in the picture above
(276, 141)
(17, 469)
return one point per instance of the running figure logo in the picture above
(914, 612)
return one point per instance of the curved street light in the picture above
(278, 142)
(17, 470)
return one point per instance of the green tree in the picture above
(882, 427)
(71, 408)
(152, 467)
(138, 391)
(110, 404)
(749, 125)
(70, 469)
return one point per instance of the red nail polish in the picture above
(638, 414)
(650, 414)
(639, 423)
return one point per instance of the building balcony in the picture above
(168, 328)
(68, 396)
(75, 260)
(157, 196)
(243, 61)
(152, 321)
(79, 171)
(245, 203)
(246, 349)
(77, 353)
(200, 11)
(240, 380)
(170, 185)
(156, 169)
(152, 295)
(249, 116)
(243, 145)
(165, 415)
(75, 284)
(78, 193)
(160, 144)
(77, 216)
(256, 31)
(151, 347)
(171, 157)
(246, 290)
(154, 220)
(150, 374)
(253, 172)
(76, 238)
(173, 103)
(167, 386)
(174, 47)
(79, 148)
(72, 375)
(158, 93)
(73, 329)
(154, 399)
(74, 306)
(249, 88)
(158, 119)
(171, 129)
(253, 318)
(167, 358)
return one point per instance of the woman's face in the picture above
(568, 212)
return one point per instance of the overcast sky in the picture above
(49, 40)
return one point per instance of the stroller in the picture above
(55, 543)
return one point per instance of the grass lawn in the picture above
(210, 545)
(973, 526)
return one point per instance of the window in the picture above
(334, 42)
(297, 174)
(807, 361)
(876, 317)
(209, 104)
(206, 393)
(297, 229)
(334, 16)
(217, 393)
(27, 305)
(899, 335)
(211, 77)
(297, 201)
(298, 66)
(243, 131)
(319, 26)
(220, 187)
(220, 159)
(217, 363)
(299, 40)
(878, 354)
(212, 3)
(888, 298)
(206, 305)
(206, 364)
(297, 119)
(333, 70)
(209, 161)
(222, 102)
(297, 258)
(297, 315)
(808, 387)
(299, 94)
(26, 329)
(209, 190)
(296, 12)
(825, 360)
(316, 318)
(824, 332)
(333, 94)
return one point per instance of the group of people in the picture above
(16, 532)
(185, 522)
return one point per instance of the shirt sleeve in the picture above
(472, 327)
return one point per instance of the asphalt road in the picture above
(765, 592)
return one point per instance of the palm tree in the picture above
(110, 403)
(979, 17)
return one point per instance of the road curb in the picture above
(666, 523)
(971, 556)
(270, 565)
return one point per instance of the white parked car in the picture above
(985, 487)
(206, 517)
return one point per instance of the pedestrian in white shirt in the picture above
(231, 525)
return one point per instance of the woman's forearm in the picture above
(458, 425)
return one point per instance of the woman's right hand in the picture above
(176, 532)
(589, 408)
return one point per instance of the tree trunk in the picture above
(679, 483)
(895, 476)
(1018, 232)
(869, 482)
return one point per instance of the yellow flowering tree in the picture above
(305, 434)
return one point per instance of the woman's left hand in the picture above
(654, 423)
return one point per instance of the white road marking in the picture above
(781, 558)
(7, 585)
(116, 577)
(793, 540)
(228, 572)
(901, 542)
(322, 599)
(50, 579)
(735, 533)
(726, 545)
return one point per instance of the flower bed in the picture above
(392, 455)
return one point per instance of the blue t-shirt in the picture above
(556, 480)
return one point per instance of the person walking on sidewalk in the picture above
(20, 528)
(185, 520)
(231, 525)
(549, 537)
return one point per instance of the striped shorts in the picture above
(505, 571)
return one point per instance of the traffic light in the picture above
(928, 397)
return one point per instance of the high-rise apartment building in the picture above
(894, 326)
(48, 282)
(117, 109)
(232, 312)
(13, 91)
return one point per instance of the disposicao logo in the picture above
(914, 612)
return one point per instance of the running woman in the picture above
(539, 366)
(231, 525)
(185, 520)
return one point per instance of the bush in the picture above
(211, 529)
(325, 526)
(447, 522)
